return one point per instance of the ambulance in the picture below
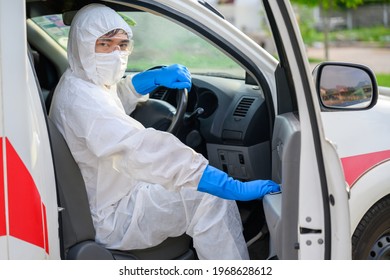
(255, 112)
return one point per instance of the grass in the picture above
(383, 80)
(378, 35)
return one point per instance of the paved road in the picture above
(378, 59)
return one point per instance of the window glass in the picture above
(158, 41)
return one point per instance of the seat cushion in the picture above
(170, 249)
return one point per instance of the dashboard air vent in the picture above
(159, 93)
(243, 107)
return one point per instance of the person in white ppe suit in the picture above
(143, 185)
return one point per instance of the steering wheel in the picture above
(160, 114)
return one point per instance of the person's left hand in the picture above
(219, 183)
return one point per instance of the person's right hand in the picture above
(172, 76)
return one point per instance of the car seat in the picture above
(78, 232)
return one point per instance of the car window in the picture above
(54, 27)
(158, 41)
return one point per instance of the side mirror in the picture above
(345, 86)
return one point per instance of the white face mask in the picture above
(111, 67)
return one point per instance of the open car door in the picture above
(310, 218)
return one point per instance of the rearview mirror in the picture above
(345, 86)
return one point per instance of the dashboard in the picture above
(233, 128)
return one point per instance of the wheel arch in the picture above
(367, 191)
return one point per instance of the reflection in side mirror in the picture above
(345, 86)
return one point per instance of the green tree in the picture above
(376, 1)
(326, 7)
(328, 4)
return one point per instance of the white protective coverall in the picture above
(141, 183)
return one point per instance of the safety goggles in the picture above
(110, 44)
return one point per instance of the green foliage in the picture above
(349, 3)
(327, 4)
(376, 1)
(128, 19)
(330, 4)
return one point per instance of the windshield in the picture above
(158, 41)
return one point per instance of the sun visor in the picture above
(68, 16)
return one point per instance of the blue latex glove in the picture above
(218, 183)
(172, 76)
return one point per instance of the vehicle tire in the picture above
(371, 239)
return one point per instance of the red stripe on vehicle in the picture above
(27, 214)
(3, 226)
(356, 166)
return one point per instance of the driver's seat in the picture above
(76, 228)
